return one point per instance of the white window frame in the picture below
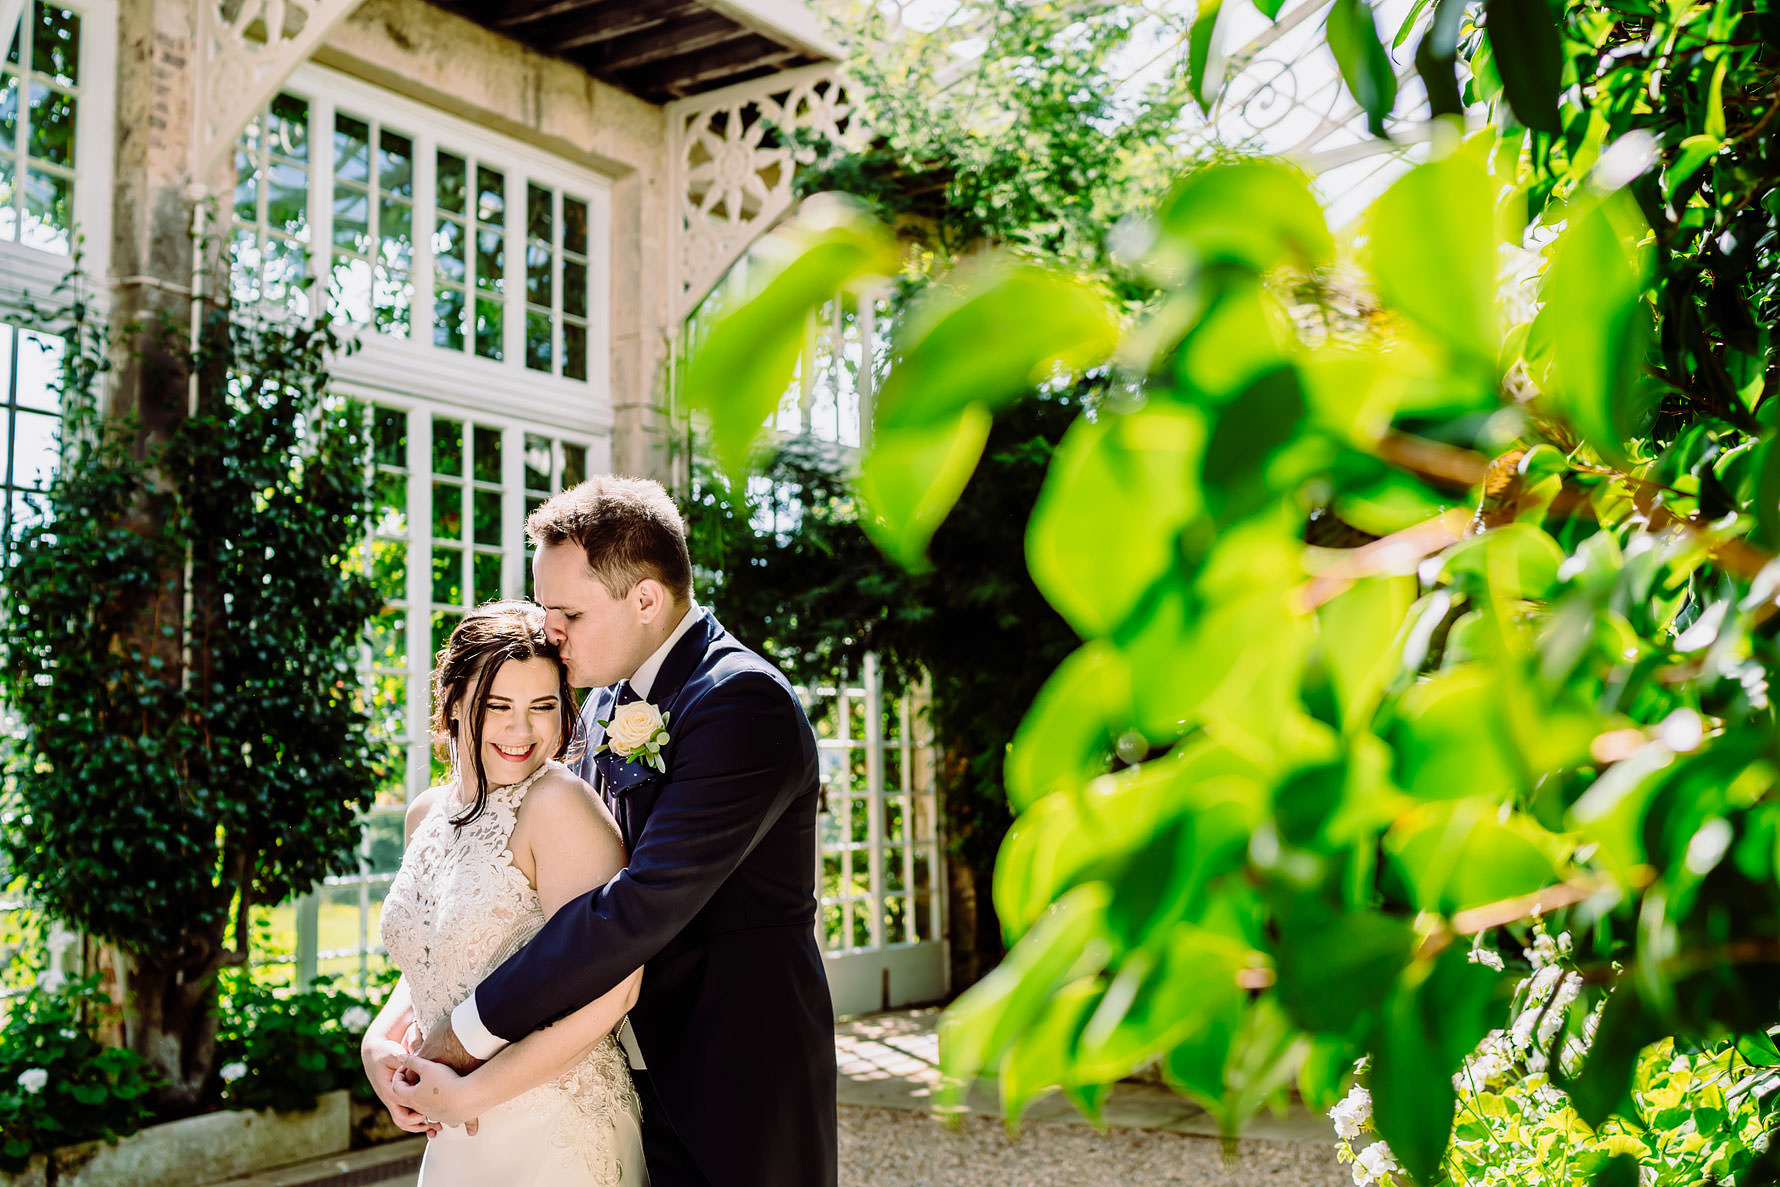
(387, 366)
(31, 272)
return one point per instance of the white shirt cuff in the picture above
(477, 1039)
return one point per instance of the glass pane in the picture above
(491, 261)
(349, 289)
(537, 274)
(488, 454)
(34, 450)
(389, 640)
(574, 226)
(352, 148)
(383, 842)
(451, 182)
(831, 927)
(574, 288)
(40, 370)
(448, 318)
(395, 163)
(448, 446)
(491, 196)
(287, 127)
(392, 297)
(537, 462)
(893, 879)
(51, 126)
(285, 268)
(861, 929)
(55, 44)
(287, 198)
(488, 328)
(9, 112)
(574, 350)
(392, 436)
(12, 50)
(831, 875)
(923, 873)
(48, 211)
(389, 568)
(444, 622)
(488, 576)
(391, 503)
(537, 213)
(862, 823)
(247, 188)
(574, 465)
(448, 511)
(388, 694)
(448, 576)
(488, 516)
(8, 215)
(892, 821)
(896, 927)
(448, 250)
(352, 219)
(537, 341)
(395, 233)
(924, 917)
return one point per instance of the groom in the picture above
(731, 1040)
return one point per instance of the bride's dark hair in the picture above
(487, 638)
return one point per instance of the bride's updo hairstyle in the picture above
(488, 637)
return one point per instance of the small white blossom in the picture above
(1352, 1113)
(356, 1019)
(51, 981)
(233, 1071)
(68, 1032)
(1488, 958)
(1374, 1162)
(1567, 992)
(33, 1079)
(62, 938)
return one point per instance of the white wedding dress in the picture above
(459, 907)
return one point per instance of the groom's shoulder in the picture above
(737, 669)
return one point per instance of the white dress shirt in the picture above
(466, 1021)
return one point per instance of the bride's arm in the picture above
(567, 844)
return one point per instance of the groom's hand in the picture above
(442, 1047)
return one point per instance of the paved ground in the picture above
(889, 1136)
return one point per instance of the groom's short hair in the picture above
(628, 527)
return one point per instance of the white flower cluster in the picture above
(33, 1079)
(1352, 1113)
(1373, 1163)
(232, 1071)
(356, 1019)
(51, 981)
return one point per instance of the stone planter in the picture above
(195, 1150)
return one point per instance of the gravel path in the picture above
(888, 1147)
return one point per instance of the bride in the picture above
(491, 854)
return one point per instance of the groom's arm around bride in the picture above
(734, 1022)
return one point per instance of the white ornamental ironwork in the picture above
(731, 161)
(246, 50)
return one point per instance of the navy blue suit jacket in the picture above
(718, 904)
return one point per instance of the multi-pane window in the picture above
(470, 257)
(40, 94)
(556, 282)
(271, 233)
(370, 280)
(29, 367)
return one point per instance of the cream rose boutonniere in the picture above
(636, 733)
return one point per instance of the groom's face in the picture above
(602, 639)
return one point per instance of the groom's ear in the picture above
(650, 598)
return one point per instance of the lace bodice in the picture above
(458, 907)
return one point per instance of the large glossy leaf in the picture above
(912, 477)
(1106, 525)
(1334, 970)
(742, 369)
(1259, 214)
(1434, 254)
(1065, 739)
(1436, 58)
(1157, 1002)
(1516, 560)
(1358, 634)
(1205, 56)
(1594, 327)
(1439, 1011)
(1456, 855)
(1360, 55)
(1451, 741)
(1529, 54)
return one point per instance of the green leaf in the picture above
(1038, 1060)
(1065, 737)
(1434, 254)
(1106, 525)
(1334, 969)
(1594, 326)
(1450, 739)
(1436, 59)
(1695, 151)
(1259, 214)
(912, 477)
(1455, 855)
(1365, 66)
(1153, 1005)
(743, 367)
(1516, 560)
(1438, 1013)
(1357, 632)
(989, 341)
(1528, 53)
(1205, 58)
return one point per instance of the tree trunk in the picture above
(170, 1016)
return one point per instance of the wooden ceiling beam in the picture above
(591, 24)
(673, 40)
(685, 73)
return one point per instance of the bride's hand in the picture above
(438, 1093)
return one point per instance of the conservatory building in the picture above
(515, 206)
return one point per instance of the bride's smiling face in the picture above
(521, 719)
